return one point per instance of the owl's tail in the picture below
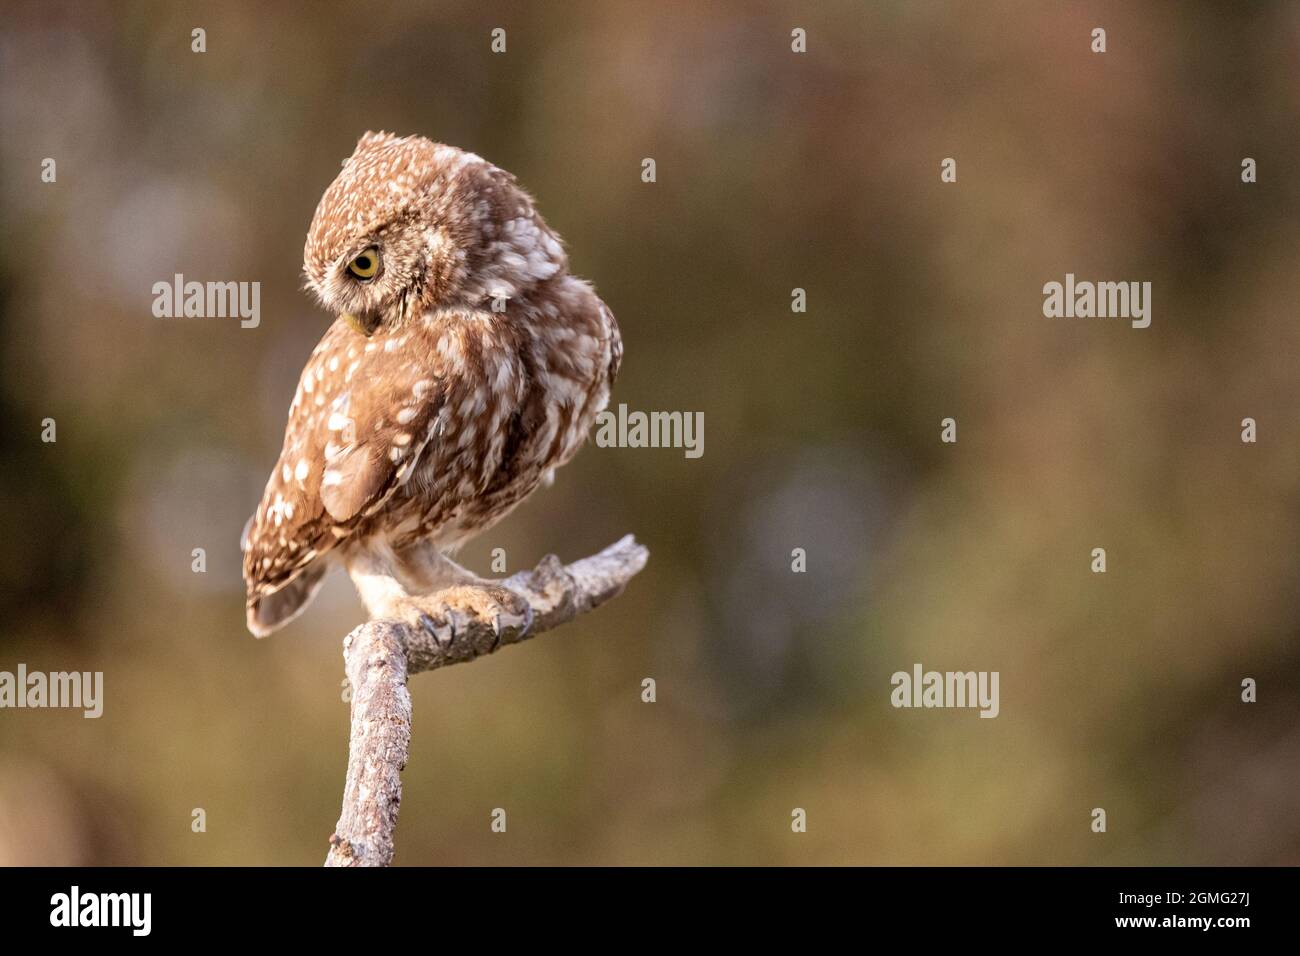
(270, 612)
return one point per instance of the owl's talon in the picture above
(508, 618)
(451, 624)
(431, 627)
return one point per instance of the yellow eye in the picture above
(365, 265)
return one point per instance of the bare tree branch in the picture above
(380, 654)
(375, 657)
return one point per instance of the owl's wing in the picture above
(364, 411)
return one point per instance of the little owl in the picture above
(465, 366)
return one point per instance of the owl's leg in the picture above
(428, 572)
(426, 569)
(414, 586)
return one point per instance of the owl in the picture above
(464, 366)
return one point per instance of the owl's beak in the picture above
(360, 325)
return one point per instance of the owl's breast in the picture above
(523, 404)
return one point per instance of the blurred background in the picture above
(775, 170)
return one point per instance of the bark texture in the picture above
(381, 654)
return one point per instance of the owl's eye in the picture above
(365, 265)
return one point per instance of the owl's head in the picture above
(410, 225)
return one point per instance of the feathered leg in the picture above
(410, 586)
